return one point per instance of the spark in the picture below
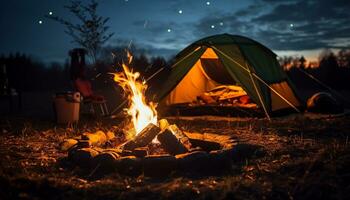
(291, 25)
(212, 26)
(221, 23)
(130, 43)
(50, 13)
(180, 11)
(40, 22)
(208, 3)
(169, 30)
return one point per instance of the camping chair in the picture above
(89, 98)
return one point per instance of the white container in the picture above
(67, 107)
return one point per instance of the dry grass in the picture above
(298, 158)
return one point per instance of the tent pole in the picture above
(260, 98)
(278, 94)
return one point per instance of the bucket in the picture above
(66, 106)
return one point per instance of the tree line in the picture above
(27, 74)
(332, 69)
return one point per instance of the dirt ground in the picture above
(299, 157)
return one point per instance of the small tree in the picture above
(91, 32)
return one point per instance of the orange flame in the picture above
(141, 113)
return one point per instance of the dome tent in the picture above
(229, 60)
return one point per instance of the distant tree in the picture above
(91, 32)
(344, 58)
(140, 63)
(329, 61)
(302, 62)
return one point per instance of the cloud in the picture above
(290, 25)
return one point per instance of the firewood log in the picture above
(181, 136)
(174, 141)
(163, 124)
(143, 138)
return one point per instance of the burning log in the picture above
(174, 141)
(163, 124)
(143, 138)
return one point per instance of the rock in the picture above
(193, 162)
(129, 165)
(241, 152)
(82, 157)
(68, 144)
(110, 135)
(140, 152)
(159, 165)
(96, 139)
(83, 144)
(220, 161)
(105, 162)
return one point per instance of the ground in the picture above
(301, 157)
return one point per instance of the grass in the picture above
(303, 158)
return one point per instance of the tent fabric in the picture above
(229, 59)
(195, 83)
(217, 71)
(284, 90)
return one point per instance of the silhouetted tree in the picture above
(91, 32)
(302, 61)
(344, 58)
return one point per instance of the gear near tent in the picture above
(229, 60)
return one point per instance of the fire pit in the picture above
(176, 151)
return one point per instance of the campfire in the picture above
(151, 146)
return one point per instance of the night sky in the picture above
(164, 27)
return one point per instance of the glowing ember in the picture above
(141, 113)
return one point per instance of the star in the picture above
(208, 3)
(180, 11)
(169, 30)
(50, 13)
(212, 26)
(291, 25)
(40, 22)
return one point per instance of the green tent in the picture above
(229, 60)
